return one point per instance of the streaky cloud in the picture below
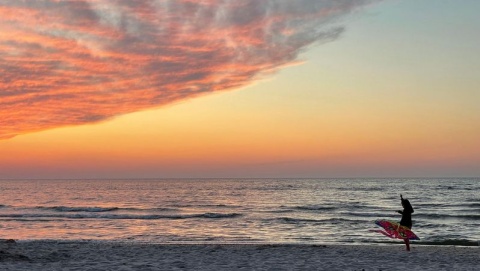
(76, 62)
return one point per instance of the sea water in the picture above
(309, 211)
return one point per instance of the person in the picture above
(406, 218)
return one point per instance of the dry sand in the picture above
(42, 255)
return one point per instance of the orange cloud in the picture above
(83, 61)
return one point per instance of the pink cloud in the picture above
(83, 61)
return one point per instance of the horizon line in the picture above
(229, 178)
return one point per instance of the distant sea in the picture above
(306, 211)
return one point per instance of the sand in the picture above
(49, 255)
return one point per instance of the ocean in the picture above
(306, 211)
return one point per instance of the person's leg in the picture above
(407, 244)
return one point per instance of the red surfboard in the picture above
(395, 230)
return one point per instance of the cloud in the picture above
(75, 62)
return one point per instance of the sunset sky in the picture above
(251, 88)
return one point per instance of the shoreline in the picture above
(447, 243)
(107, 255)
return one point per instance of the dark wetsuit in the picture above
(407, 215)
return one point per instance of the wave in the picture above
(291, 220)
(120, 216)
(358, 188)
(280, 211)
(315, 208)
(179, 205)
(296, 220)
(369, 215)
(306, 208)
(79, 209)
(219, 215)
(450, 242)
(447, 242)
(96, 209)
(445, 216)
(447, 205)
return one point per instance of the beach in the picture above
(93, 255)
(221, 224)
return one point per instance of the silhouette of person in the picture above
(406, 217)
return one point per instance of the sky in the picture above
(239, 89)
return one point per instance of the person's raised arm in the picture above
(401, 198)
